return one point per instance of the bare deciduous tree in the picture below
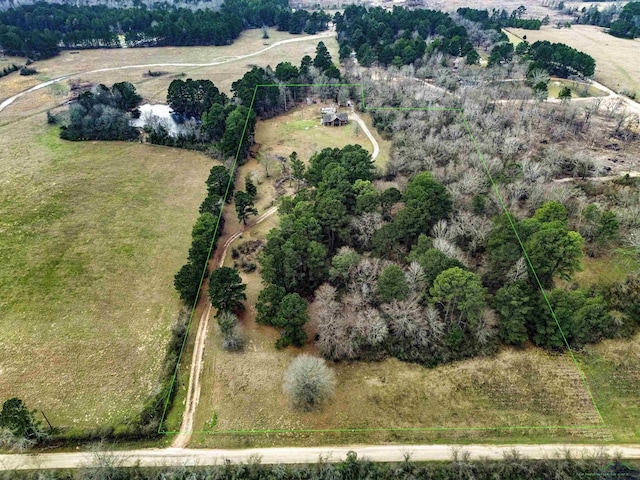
(308, 383)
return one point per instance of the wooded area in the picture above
(40, 30)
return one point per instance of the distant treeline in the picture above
(397, 36)
(628, 23)
(498, 19)
(41, 30)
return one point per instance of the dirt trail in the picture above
(193, 391)
(218, 61)
(632, 174)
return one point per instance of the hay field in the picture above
(617, 64)
(91, 234)
(154, 89)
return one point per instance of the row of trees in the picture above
(42, 29)
(499, 19)
(460, 467)
(205, 233)
(397, 36)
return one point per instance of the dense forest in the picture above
(40, 30)
(397, 36)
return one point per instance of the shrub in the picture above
(308, 383)
(24, 71)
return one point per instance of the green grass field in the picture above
(91, 234)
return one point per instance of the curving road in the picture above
(382, 453)
(363, 126)
(228, 59)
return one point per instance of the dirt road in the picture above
(381, 453)
(363, 126)
(193, 391)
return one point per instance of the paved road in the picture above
(382, 453)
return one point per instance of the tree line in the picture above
(628, 23)
(397, 36)
(41, 30)
(499, 19)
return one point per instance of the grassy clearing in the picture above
(616, 58)
(91, 236)
(613, 370)
(605, 270)
(578, 90)
(300, 130)
(512, 38)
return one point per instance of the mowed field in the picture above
(300, 130)
(91, 235)
(617, 64)
(226, 70)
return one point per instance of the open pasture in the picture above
(154, 89)
(616, 58)
(91, 236)
(300, 130)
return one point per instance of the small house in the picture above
(335, 120)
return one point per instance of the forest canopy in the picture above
(41, 30)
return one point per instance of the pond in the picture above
(160, 114)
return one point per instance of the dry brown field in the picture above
(617, 64)
(153, 89)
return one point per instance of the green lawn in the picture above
(578, 90)
(607, 269)
(91, 234)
